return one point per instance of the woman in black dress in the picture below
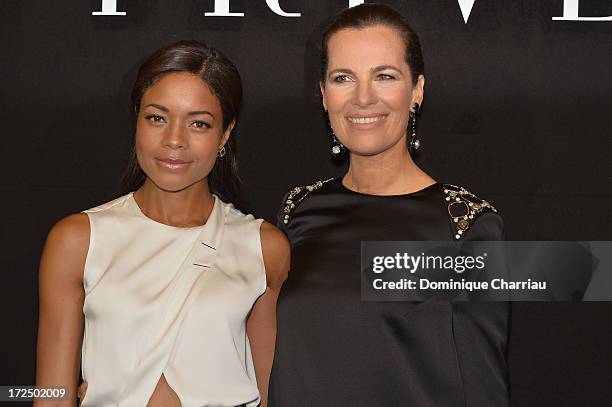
(333, 349)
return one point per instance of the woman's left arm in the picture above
(261, 325)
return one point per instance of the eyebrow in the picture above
(201, 112)
(339, 70)
(385, 67)
(375, 69)
(160, 107)
(165, 109)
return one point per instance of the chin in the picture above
(172, 185)
(367, 150)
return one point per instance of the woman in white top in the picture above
(161, 294)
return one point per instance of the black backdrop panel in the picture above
(517, 109)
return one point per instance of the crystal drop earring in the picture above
(414, 142)
(337, 146)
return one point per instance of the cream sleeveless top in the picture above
(173, 301)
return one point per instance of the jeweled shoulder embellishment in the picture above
(464, 207)
(296, 196)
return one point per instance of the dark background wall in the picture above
(517, 109)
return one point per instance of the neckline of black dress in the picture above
(342, 187)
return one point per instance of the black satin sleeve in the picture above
(480, 331)
(488, 226)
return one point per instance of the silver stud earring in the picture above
(221, 152)
(414, 142)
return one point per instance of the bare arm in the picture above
(61, 296)
(261, 326)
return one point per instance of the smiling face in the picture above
(369, 91)
(179, 131)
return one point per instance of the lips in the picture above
(172, 164)
(366, 119)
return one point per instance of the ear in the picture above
(322, 88)
(418, 91)
(227, 133)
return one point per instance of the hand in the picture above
(81, 392)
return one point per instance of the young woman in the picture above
(333, 349)
(165, 290)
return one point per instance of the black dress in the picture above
(332, 349)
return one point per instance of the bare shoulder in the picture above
(67, 245)
(276, 253)
(72, 232)
(61, 299)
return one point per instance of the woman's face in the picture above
(179, 131)
(368, 91)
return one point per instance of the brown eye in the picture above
(385, 77)
(200, 124)
(155, 118)
(341, 78)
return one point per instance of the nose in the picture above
(365, 94)
(175, 137)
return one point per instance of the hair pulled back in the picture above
(373, 14)
(223, 80)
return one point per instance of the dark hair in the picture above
(223, 79)
(368, 15)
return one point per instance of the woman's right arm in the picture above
(61, 296)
